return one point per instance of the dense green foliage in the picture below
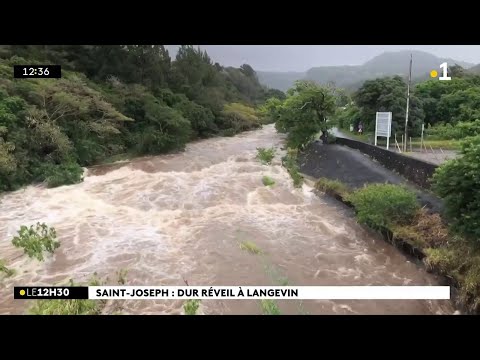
(381, 205)
(388, 94)
(450, 101)
(114, 100)
(445, 107)
(36, 240)
(347, 116)
(303, 114)
(458, 183)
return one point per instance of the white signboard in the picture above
(383, 126)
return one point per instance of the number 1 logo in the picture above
(444, 66)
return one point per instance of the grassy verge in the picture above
(434, 143)
(439, 144)
(332, 187)
(69, 307)
(81, 306)
(421, 234)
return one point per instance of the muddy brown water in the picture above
(183, 216)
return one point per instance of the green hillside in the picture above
(114, 100)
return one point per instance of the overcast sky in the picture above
(303, 57)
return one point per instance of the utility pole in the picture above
(408, 103)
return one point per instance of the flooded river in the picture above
(183, 216)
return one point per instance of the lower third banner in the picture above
(236, 292)
(50, 292)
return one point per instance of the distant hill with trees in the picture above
(352, 77)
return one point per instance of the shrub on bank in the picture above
(395, 208)
(36, 240)
(81, 306)
(71, 306)
(380, 205)
(63, 174)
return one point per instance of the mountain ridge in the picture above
(351, 76)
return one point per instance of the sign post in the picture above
(421, 139)
(383, 126)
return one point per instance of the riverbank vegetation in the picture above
(382, 205)
(332, 187)
(114, 100)
(69, 307)
(304, 113)
(289, 161)
(36, 240)
(394, 211)
(447, 242)
(458, 183)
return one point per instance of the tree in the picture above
(248, 71)
(275, 93)
(458, 183)
(271, 110)
(69, 115)
(305, 113)
(347, 116)
(388, 94)
(150, 65)
(450, 101)
(202, 120)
